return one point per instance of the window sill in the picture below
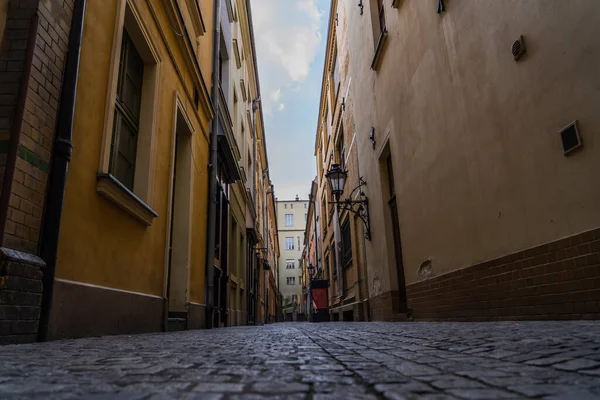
(109, 187)
(379, 50)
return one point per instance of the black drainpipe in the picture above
(60, 163)
(212, 166)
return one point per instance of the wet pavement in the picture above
(418, 360)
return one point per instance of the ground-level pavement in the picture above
(500, 360)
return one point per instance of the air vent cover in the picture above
(571, 140)
(518, 48)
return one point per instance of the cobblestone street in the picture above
(502, 360)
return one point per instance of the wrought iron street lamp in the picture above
(337, 180)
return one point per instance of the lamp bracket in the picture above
(357, 207)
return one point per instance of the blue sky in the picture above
(290, 42)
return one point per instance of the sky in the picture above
(290, 44)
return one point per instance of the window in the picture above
(291, 280)
(130, 129)
(340, 148)
(290, 264)
(298, 242)
(292, 206)
(346, 244)
(289, 219)
(332, 261)
(381, 15)
(335, 69)
(326, 116)
(285, 206)
(305, 205)
(289, 243)
(305, 217)
(127, 113)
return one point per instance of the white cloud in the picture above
(276, 95)
(281, 107)
(287, 34)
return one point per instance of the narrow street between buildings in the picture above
(554, 360)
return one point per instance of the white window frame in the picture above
(288, 241)
(289, 219)
(138, 202)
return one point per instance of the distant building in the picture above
(291, 222)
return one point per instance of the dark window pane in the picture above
(346, 244)
(380, 7)
(127, 113)
(124, 146)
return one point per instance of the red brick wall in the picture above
(28, 189)
(559, 280)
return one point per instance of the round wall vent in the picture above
(518, 48)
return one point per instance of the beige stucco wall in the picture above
(479, 167)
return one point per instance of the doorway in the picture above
(181, 225)
(401, 302)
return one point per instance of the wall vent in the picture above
(425, 269)
(571, 140)
(518, 48)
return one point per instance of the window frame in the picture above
(288, 241)
(346, 247)
(138, 200)
(289, 220)
(124, 115)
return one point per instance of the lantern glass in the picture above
(337, 179)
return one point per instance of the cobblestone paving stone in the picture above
(503, 360)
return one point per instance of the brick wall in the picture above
(12, 57)
(559, 280)
(37, 31)
(28, 190)
(20, 296)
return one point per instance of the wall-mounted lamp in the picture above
(360, 5)
(343, 104)
(372, 136)
(337, 180)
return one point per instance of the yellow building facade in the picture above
(135, 196)
(133, 231)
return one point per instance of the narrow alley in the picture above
(502, 360)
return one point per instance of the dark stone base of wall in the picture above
(387, 305)
(355, 311)
(196, 316)
(80, 310)
(20, 296)
(559, 280)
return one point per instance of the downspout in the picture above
(213, 162)
(60, 164)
